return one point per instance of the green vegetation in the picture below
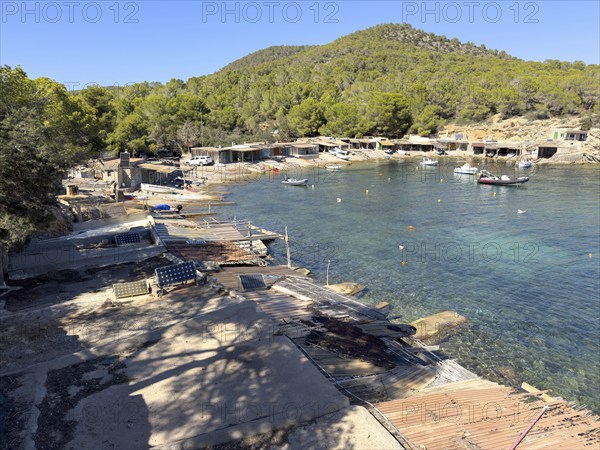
(43, 130)
(385, 80)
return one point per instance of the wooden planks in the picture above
(229, 276)
(488, 418)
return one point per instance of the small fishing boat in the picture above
(467, 169)
(486, 177)
(429, 162)
(524, 164)
(154, 188)
(342, 154)
(333, 167)
(295, 182)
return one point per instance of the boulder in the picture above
(346, 288)
(438, 326)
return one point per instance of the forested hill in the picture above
(267, 55)
(394, 38)
(385, 80)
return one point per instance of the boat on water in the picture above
(524, 164)
(295, 182)
(155, 188)
(466, 169)
(429, 162)
(333, 167)
(486, 177)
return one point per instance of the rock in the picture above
(303, 271)
(438, 326)
(208, 266)
(346, 288)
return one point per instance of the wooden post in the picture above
(250, 234)
(2, 283)
(287, 249)
(78, 214)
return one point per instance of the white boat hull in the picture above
(466, 170)
(158, 189)
(294, 182)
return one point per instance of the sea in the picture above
(521, 263)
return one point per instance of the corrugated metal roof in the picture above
(488, 418)
(159, 168)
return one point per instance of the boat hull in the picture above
(295, 182)
(490, 181)
(158, 189)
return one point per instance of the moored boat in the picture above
(486, 177)
(524, 164)
(467, 169)
(429, 162)
(333, 167)
(159, 189)
(295, 182)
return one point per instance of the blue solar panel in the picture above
(130, 289)
(177, 273)
(127, 238)
(250, 282)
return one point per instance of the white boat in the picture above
(295, 182)
(524, 164)
(159, 189)
(429, 162)
(333, 167)
(342, 154)
(467, 169)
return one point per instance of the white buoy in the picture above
(521, 211)
(401, 247)
(339, 200)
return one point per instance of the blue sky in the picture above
(110, 42)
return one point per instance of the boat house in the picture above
(570, 135)
(304, 150)
(159, 173)
(125, 172)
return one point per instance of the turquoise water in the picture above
(529, 282)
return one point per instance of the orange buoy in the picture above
(403, 263)
(410, 227)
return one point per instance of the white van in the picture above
(199, 161)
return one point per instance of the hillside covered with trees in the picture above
(386, 80)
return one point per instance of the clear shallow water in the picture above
(526, 281)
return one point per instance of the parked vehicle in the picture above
(202, 160)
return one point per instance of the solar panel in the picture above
(250, 282)
(127, 238)
(130, 289)
(177, 273)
